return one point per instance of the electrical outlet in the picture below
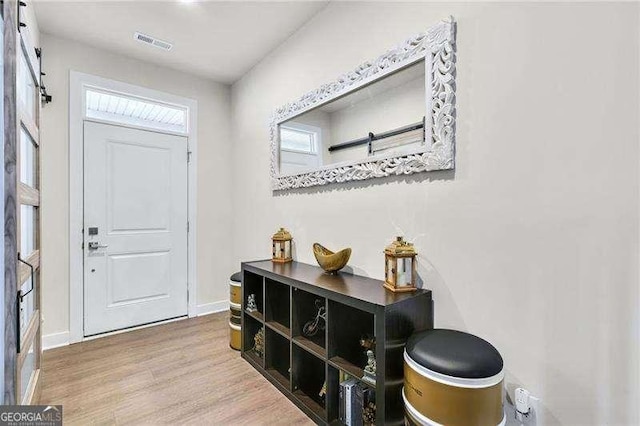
(522, 401)
(526, 407)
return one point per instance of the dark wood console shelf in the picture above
(287, 296)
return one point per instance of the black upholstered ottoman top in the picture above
(454, 353)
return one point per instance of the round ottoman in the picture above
(235, 290)
(235, 304)
(452, 378)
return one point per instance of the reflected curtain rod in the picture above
(373, 137)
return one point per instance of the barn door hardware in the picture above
(21, 24)
(20, 297)
(46, 98)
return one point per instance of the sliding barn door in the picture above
(22, 209)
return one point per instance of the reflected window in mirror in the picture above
(300, 147)
(297, 140)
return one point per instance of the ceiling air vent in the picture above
(156, 42)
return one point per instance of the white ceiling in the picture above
(216, 40)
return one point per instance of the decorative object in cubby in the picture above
(370, 369)
(281, 248)
(312, 327)
(323, 390)
(329, 261)
(400, 266)
(369, 414)
(368, 343)
(251, 303)
(258, 342)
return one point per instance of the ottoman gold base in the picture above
(451, 401)
(234, 336)
(414, 418)
(235, 292)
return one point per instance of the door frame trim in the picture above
(77, 83)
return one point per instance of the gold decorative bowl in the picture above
(330, 261)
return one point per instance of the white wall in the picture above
(214, 150)
(532, 243)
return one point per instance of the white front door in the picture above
(135, 227)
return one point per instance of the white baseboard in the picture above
(212, 308)
(55, 340)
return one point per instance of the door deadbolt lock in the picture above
(94, 245)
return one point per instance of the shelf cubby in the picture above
(356, 307)
(347, 326)
(253, 284)
(277, 307)
(308, 378)
(250, 328)
(305, 308)
(334, 378)
(277, 358)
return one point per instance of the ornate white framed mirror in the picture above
(394, 115)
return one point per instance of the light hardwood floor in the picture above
(178, 373)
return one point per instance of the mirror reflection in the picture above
(384, 118)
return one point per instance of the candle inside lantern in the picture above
(402, 271)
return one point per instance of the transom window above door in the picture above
(128, 110)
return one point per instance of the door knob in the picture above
(94, 245)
